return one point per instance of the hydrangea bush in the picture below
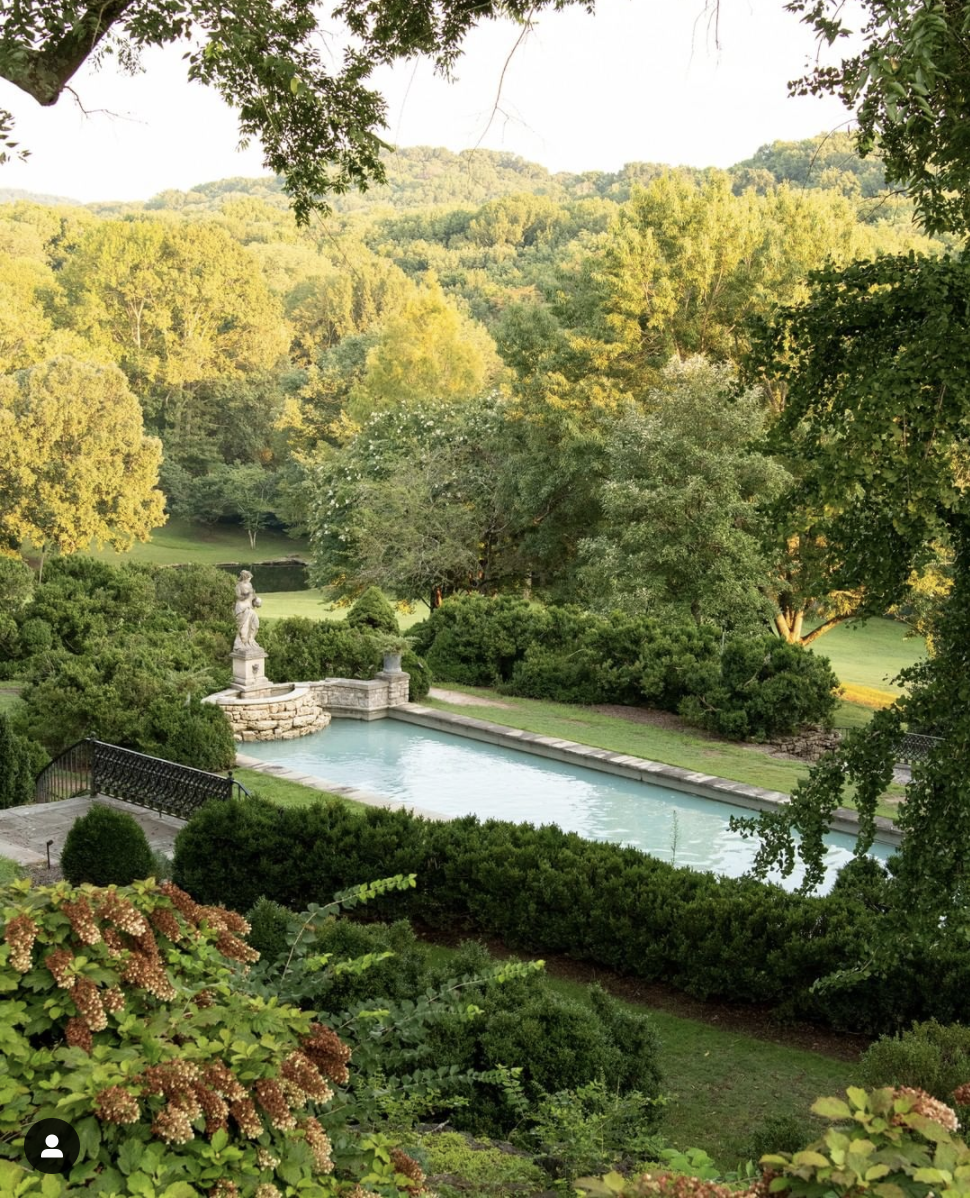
(121, 1013)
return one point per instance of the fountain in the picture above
(259, 709)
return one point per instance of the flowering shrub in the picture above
(894, 1143)
(121, 1013)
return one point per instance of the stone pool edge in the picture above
(640, 769)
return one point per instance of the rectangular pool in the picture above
(452, 775)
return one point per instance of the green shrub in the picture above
(16, 766)
(420, 676)
(930, 1056)
(106, 847)
(269, 924)
(545, 890)
(373, 613)
(591, 1127)
(476, 641)
(16, 583)
(757, 687)
(199, 594)
(764, 687)
(778, 1132)
(190, 732)
(303, 650)
(479, 1167)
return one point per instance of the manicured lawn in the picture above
(870, 654)
(723, 1084)
(278, 605)
(736, 762)
(285, 793)
(181, 541)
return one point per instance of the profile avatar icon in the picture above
(52, 1146)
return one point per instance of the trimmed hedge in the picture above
(300, 650)
(752, 686)
(547, 891)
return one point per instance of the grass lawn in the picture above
(278, 605)
(181, 541)
(9, 697)
(285, 793)
(723, 1084)
(870, 654)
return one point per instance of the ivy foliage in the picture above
(878, 401)
(907, 84)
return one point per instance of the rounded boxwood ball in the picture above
(106, 847)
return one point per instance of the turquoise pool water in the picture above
(452, 775)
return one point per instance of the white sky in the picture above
(641, 80)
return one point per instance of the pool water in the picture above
(452, 775)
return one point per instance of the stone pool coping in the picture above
(708, 786)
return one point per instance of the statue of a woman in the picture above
(247, 618)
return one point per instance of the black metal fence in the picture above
(93, 767)
(916, 747)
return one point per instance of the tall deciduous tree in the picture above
(75, 465)
(175, 304)
(428, 351)
(683, 506)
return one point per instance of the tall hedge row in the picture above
(547, 891)
(743, 686)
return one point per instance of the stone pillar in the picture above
(249, 668)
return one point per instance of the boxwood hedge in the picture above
(543, 890)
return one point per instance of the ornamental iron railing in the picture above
(916, 747)
(92, 767)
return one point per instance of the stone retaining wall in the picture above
(309, 706)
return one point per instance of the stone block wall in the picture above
(310, 705)
(283, 717)
(354, 698)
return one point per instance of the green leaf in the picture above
(832, 1108)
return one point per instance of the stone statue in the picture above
(247, 617)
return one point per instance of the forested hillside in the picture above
(455, 364)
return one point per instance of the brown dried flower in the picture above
(929, 1107)
(273, 1101)
(81, 919)
(116, 1105)
(59, 963)
(78, 1034)
(328, 1052)
(244, 1113)
(20, 933)
(319, 1144)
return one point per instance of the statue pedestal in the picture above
(249, 668)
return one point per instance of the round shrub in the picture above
(301, 650)
(931, 1056)
(269, 924)
(373, 613)
(192, 733)
(106, 847)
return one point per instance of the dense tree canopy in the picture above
(74, 462)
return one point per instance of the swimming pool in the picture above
(452, 775)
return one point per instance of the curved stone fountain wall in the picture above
(287, 711)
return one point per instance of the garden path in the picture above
(25, 831)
